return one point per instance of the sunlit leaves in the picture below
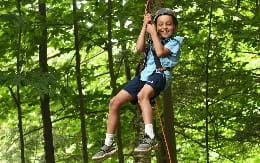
(233, 76)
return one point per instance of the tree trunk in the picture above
(144, 157)
(113, 76)
(109, 49)
(79, 85)
(168, 117)
(18, 96)
(17, 102)
(140, 157)
(44, 98)
(207, 88)
(125, 59)
(257, 10)
(124, 54)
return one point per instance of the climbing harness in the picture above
(159, 67)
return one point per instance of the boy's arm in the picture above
(158, 47)
(140, 44)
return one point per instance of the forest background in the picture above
(62, 60)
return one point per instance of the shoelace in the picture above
(146, 140)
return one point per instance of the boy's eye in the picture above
(161, 24)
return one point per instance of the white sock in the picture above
(109, 139)
(148, 129)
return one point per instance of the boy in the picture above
(154, 78)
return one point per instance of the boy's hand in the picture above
(147, 19)
(150, 28)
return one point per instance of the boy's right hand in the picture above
(147, 19)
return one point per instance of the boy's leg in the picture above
(144, 96)
(155, 84)
(144, 101)
(113, 117)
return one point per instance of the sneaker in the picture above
(146, 145)
(104, 151)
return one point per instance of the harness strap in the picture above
(156, 58)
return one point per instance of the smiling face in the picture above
(165, 26)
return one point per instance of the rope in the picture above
(163, 132)
(147, 10)
(147, 7)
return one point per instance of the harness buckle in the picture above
(158, 71)
(161, 69)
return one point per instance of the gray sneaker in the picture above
(146, 145)
(104, 151)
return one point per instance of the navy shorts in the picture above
(157, 81)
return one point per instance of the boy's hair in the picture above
(165, 11)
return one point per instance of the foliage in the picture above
(234, 60)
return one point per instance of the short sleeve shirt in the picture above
(171, 60)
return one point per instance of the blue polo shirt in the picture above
(171, 60)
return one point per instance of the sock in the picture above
(148, 129)
(109, 139)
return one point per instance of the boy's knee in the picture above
(141, 97)
(114, 103)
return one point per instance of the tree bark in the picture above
(109, 49)
(125, 60)
(140, 157)
(79, 85)
(113, 76)
(168, 117)
(44, 98)
(124, 53)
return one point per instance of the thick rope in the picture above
(163, 132)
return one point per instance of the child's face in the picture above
(165, 26)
